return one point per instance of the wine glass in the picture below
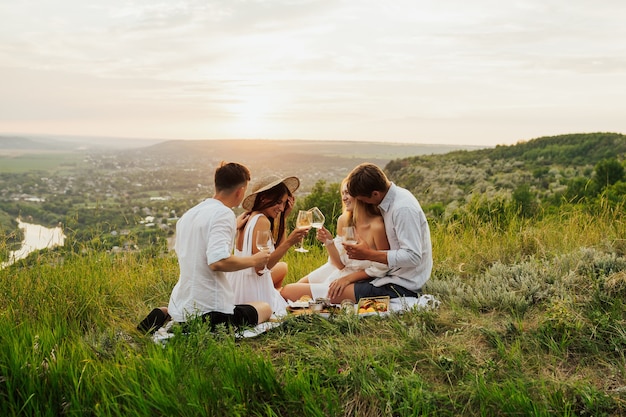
(317, 218)
(263, 241)
(349, 234)
(303, 222)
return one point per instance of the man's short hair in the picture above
(365, 179)
(230, 175)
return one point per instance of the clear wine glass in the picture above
(349, 234)
(303, 222)
(317, 218)
(263, 242)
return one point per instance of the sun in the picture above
(251, 116)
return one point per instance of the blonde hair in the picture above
(358, 208)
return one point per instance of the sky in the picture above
(480, 72)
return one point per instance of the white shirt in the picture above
(204, 235)
(410, 257)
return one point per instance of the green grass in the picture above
(532, 322)
(51, 161)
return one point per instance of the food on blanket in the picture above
(324, 301)
(305, 298)
(316, 306)
(373, 305)
(347, 306)
(307, 311)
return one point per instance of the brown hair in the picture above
(366, 178)
(269, 198)
(230, 176)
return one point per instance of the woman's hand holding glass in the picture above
(303, 222)
(323, 235)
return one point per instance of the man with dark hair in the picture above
(204, 246)
(410, 256)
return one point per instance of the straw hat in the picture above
(265, 184)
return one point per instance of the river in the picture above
(36, 237)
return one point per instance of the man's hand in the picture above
(260, 259)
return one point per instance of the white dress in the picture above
(247, 285)
(321, 278)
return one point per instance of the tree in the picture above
(608, 172)
(525, 201)
(580, 189)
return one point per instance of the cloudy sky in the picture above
(480, 72)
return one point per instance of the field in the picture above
(531, 323)
(57, 162)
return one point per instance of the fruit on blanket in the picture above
(373, 305)
(380, 306)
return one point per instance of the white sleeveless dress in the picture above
(247, 285)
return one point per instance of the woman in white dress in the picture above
(267, 207)
(369, 225)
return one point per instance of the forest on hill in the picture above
(543, 172)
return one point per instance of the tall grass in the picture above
(532, 322)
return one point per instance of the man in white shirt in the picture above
(410, 256)
(204, 246)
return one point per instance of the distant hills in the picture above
(22, 143)
(51, 143)
(309, 160)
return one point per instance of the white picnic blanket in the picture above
(424, 301)
(396, 305)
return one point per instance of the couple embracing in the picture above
(392, 257)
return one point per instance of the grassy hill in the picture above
(532, 320)
(546, 165)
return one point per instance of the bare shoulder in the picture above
(342, 221)
(379, 233)
(263, 223)
(377, 225)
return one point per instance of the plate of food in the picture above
(306, 305)
(302, 302)
(373, 306)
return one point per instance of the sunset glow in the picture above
(480, 73)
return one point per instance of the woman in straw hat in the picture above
(267, 207)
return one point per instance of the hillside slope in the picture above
(545, 164)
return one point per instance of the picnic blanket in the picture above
(396, 305)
